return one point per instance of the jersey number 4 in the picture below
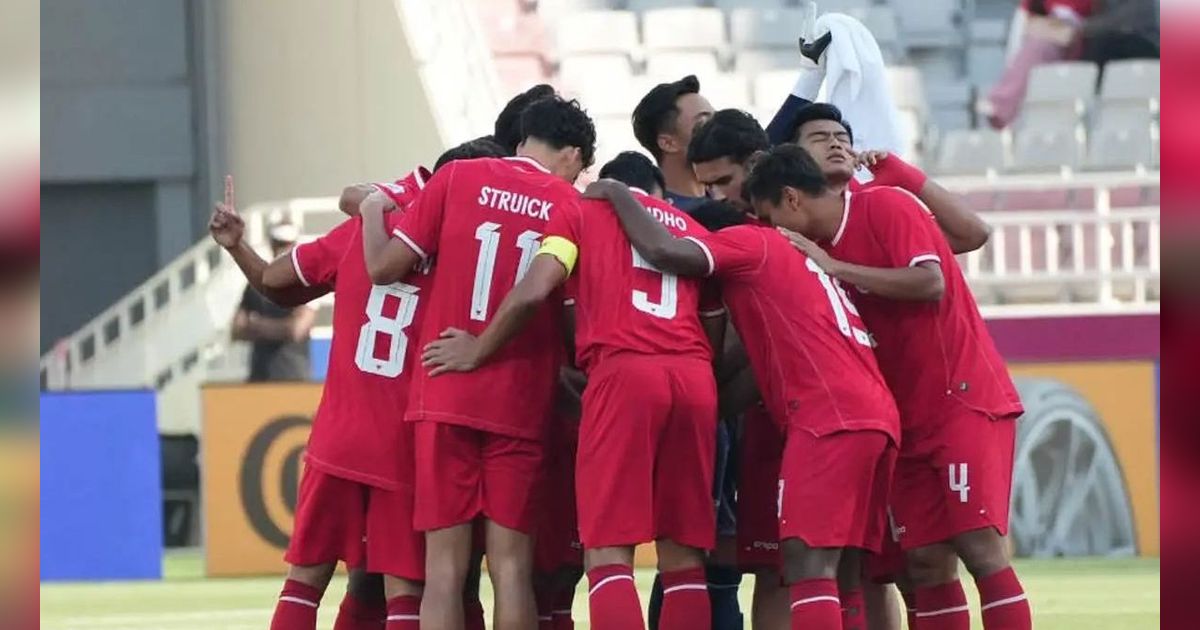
(488, 235)
(843, 308)
(392, 327)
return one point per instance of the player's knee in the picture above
(509, 570)
(603, 556)
(801, 562)
(399, 587)
(673, 556)
(928, 566)
(317, 575)
(983, 551)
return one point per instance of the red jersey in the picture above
(483, 221)
(933, 354)
(624, 304)
(356, 432)
(810, 353)
(404, 190)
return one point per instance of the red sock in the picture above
(357, 614)
(544, 597)
(473, 614)
(613, 598)
(942, 607)
(1003, 601)
(404, 613)
(910, 608)
(564, 601)
(297, 607)
(685, 600)
(854, 610)
(815, 605)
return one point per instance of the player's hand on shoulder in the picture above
(603, 189)
(377, 202)
(806, 246)
(454, 351)
(226, 225)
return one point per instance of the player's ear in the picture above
(667, 143)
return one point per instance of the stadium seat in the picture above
(553, 10)
(1062, 81)
(1044, 150)
(577, 71)
(766, 28)
(616, 98)
(669, 66)
(1131, 79)
(972, 152)
(985, 64)
(650, 5)
(929, 23)
(1130, 114)
(985, 30)
(728, 90)
(689, 29)
(1049, 116)
(841, 6)
(885, 26)
(908, 88)
(614, 134)
(1119, 148)
(509, 30)
(770, 88)
(520, 72)
(752, 62)
(732, 5)
(598, 32)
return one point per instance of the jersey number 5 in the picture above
(394, 326)
(843, 308)
(488, 235)
(668, 302)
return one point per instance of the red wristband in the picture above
(893, 171)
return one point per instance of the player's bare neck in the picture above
(680, 178)
(828, 211)
(539, 152)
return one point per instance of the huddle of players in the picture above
(522, 262)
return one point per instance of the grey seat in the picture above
(1062, 81)
(1045, 150)
(1130, 79)
(1119, 148)
(971, 152)
(598, 32)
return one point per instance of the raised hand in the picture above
(226, 225)
(870, 159)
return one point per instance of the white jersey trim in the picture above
(296, 266)
(532, 162)
(845, 219)
(924, 258)
(408, 241)
(712, 265)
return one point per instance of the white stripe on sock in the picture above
(297, 600)
(546, 618)
(723, 586)
(944, 611)
(404, 617)
(818, 598)
(1004, 602)
(684, 587)
(606, 580)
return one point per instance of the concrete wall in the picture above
(145, 105)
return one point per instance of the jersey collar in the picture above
(532, 162)
(845, 219)
(639, 191)
(420, 175)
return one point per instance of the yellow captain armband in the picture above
(565, 251)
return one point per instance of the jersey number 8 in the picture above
(380, 324)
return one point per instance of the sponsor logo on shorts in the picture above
(279, 444)
(958, 481)
(765, 545)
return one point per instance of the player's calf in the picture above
(364, 606)
(811, 576)
(301, 596)
(447, 560)
(769, 609)
(686, 602)
(613, 601)
(510, 566)
(1002, 599)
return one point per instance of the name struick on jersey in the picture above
(515, 203)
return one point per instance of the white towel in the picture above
(856, 82)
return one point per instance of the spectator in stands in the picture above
(1050, 33)
(1121, 29)
(279, 335)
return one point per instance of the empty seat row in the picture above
(982, 151)
(1129, 79)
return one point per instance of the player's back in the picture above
(372, 355)
(481, 222)
(624, 304)
(810, 352)
(926, 349)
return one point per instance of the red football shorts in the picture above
(953, 478)
(758, 491)
(833, 489)
(463, 473)
(331, 521)
(646, 447)
(394, 546)
(557, 540)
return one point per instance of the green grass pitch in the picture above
(1067, 594)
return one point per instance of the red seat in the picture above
(1035, 200)
(1126, 197)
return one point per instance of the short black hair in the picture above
(730, 133)
(785, 165)
(819, 111)
(560, 123)
(481, 147)
(718, 215)
(507, 130)
(634, 169)
(656, 112)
